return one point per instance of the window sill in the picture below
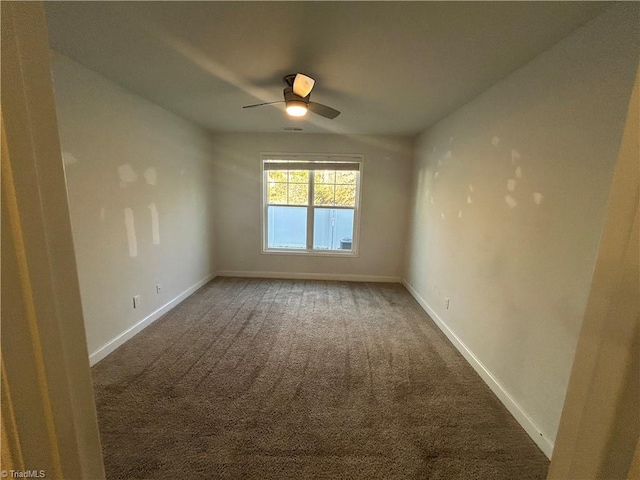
(310, 253)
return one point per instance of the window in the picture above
(310, 204)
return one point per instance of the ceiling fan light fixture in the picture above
(296, 108)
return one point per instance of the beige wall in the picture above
(509, 200)
(385, 180)
(140, 183)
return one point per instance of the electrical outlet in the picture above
(158, 289)
(446, 303)
(136, 301)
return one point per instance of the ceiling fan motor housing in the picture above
(289, 79)
(290, 96)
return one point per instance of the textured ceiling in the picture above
(389, 67)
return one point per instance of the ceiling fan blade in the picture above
(302, 85)
(323, 110)
(261, 104)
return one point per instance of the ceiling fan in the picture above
(296, 98)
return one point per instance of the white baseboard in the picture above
(120, 339)
(310, 276)
(545, 444)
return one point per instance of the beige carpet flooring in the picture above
(290, 379)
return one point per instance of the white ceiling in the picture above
(389, 67)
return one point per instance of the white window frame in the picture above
(315, 158)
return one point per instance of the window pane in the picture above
(323, 194)
(345, 195)
(277, 193)
(325, 176)
(287, 227)
(277, 175)
(299, 176)
(333, 229)
(298, 194)
(346, 177)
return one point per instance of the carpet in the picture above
(293, 379)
